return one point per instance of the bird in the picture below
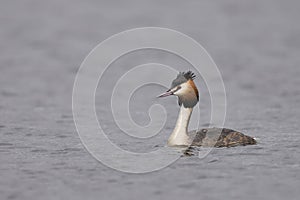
(184, 87)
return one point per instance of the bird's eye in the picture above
(178, 88)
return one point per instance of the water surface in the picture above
(256, 46)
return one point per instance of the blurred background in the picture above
(255, 44)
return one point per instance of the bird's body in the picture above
(220, 137)
(188, 96)
(207, 137)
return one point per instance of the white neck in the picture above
(179, 136)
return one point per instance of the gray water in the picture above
(256, 46)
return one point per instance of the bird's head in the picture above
(185, 89)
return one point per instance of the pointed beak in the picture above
(167, 93)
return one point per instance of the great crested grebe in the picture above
(185, 89)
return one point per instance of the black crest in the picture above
(189, 75)
(183, 77)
